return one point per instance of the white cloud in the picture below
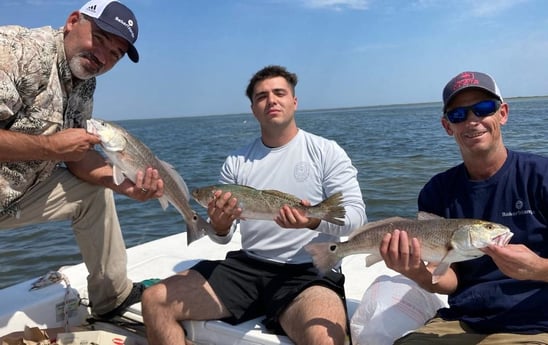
(486, 8)
(337, 4)
(473, 8)
(22, 3)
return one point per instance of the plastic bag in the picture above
(390, 308)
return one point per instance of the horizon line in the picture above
(317, 109)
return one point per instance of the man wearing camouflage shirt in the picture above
(48, 168)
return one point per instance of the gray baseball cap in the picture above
(467, 80)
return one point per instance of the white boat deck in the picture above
(45, 307)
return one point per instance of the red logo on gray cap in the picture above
(465, 79)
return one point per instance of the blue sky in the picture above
(197, 56)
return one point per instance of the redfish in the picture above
(443, 241)
(129, 155)
(266, 204)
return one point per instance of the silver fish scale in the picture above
(136, 155)
(267, 202)
(437, 231)
(272, 200)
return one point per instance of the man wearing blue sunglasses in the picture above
(499, 298)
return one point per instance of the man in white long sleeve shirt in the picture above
(272, 274)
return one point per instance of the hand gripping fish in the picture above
(266, 204)
(443, 241)
(129, 155)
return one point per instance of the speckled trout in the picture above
(128, 155)
(443, 241)
(266, 204)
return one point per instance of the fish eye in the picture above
(490, 226)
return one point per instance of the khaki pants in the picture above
(95, 224)
(440, 332)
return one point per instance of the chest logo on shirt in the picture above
(518, 210)
(301, 171)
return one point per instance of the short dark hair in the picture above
(268, 72)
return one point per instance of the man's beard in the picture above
(77, 66)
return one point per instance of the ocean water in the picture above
(396, 149)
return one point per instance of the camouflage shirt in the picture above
(37, 96)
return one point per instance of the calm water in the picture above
(396, 149)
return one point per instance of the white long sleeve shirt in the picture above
(309, 167)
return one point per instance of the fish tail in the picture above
(324, 255)
(332, 209)
(196, 228)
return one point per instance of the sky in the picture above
(196, 57)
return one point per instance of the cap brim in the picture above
(131, 51)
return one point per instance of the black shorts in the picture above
(250, 288)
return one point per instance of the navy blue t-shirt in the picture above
(516, 196)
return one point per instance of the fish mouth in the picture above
(90, 127)
(503, 239)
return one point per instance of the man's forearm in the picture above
(93, 168)
(15, 146)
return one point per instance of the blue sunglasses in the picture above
(480, 109)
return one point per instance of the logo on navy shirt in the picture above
(518, 210)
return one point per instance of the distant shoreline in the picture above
(404, 104)
(304, 111)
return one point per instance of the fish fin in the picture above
(324, 255)
(421, 215)
(177, 177)
(370, 225)
(164, 202)
(334, 211)
(440, 271)
(196, 228)
(279, 194)
(372, 259)
(118, 175)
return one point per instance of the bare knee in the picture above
(151, 296)
(184, 296)
(153, 300)
(317, 316)
(324, 332)
(160, 316)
